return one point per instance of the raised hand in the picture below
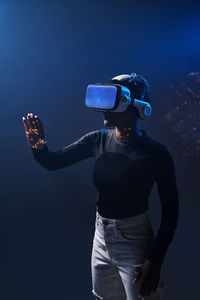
(34, 131)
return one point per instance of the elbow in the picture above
(50, 168)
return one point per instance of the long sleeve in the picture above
(169, 198)
(81, 149)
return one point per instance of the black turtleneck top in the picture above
(124, 174)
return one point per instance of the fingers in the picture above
(35, 125)
(26, 125)
(148, 287)
(31, 121)
(39, 126)
(138, 275)
(34, 131)
(155, 286)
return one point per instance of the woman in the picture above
(126, 260)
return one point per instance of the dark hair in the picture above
(137, 85)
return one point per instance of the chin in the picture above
(108, 123)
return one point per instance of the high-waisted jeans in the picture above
(119, 246)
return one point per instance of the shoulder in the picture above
(154, 144)
(93, 136)
(161, 151)
(99, 132)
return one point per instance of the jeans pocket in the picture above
(128, 236)
(135, 232)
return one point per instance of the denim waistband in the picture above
(137, 219)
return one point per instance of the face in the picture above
(109, 119)
(126, 118)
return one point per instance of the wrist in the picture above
(154, 263)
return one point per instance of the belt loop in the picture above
(97, 219)
(97, 216)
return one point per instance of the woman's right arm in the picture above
(81, 149)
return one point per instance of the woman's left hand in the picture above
(149, 274)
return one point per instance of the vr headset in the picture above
(108, 97)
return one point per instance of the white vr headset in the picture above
(113, 97)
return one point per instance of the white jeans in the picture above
(120, 245)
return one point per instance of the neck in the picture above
(128, 131)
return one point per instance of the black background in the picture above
(49, 52)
